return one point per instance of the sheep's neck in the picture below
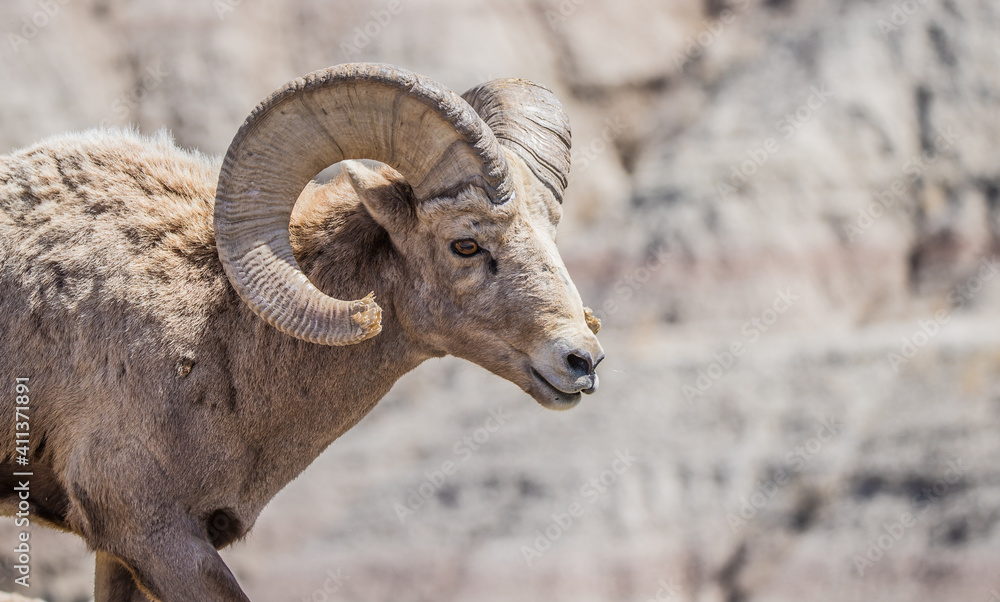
(315, 393)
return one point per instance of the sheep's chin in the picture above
(550, 397)
(566, 402)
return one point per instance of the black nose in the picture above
(581, 362)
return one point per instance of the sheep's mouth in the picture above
(551, 397)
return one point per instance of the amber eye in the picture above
(465, 247)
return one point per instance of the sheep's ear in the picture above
(386, 197)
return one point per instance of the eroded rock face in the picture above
(835, 149)
(846, 147)
(813, 181)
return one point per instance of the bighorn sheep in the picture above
(165, 413)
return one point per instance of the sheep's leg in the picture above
(171, 565)
(112, 581)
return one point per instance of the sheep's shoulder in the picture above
(112, 221)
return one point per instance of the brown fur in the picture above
(162, 407)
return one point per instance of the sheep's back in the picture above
(109, 276)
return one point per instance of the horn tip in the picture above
(367, 316)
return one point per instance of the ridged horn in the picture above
(528, 119)
(354, 111)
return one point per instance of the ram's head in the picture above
(474, 220)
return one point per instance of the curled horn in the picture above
(528, 119)
(354, 111)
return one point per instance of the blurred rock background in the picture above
(785, 211)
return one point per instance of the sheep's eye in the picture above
(465, 247)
